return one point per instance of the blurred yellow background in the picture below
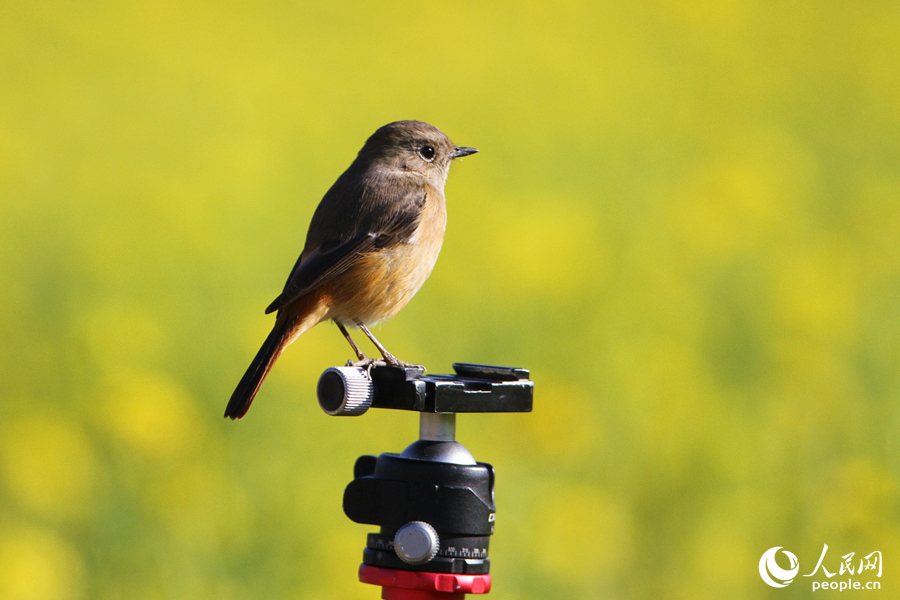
(684, 219)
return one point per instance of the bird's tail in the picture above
(271, 349)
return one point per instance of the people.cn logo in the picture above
(772, 573)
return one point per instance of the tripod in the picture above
(434, 503)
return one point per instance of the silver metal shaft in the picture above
(437, 426)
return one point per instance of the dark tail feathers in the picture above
(246, 390)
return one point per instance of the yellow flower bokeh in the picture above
(684, 219)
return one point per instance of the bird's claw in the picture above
(393, 361)
(368, 364)
(406, 365)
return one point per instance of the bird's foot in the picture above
(390, 360)
(393, 361)
(367, 363)
(406, 365)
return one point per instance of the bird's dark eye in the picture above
(427, 152)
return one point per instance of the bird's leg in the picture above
(353, 345)
(364, 361)
(389, 358)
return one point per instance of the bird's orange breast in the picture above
(383, 281)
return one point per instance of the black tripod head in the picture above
(434, 503)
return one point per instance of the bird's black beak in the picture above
(457, 152)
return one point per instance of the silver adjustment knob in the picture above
(345, 391)
(416, 543)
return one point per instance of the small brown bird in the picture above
(372, 243)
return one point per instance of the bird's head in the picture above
(413, 146)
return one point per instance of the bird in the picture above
(372, 242)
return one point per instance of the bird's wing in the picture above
(333, 257)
